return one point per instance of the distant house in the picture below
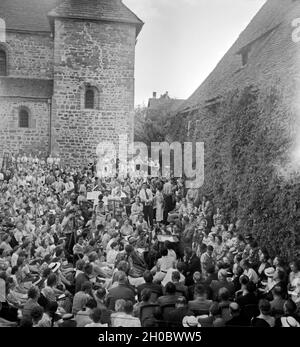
(159, 108)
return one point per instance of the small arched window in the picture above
(3, 70)
(89, 98)
(23, 118)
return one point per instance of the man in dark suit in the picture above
(181, 289)
(237, 319)
(181, 310)
(200, 303)
(192, 263)
(246, 296)
(211, 276)
(121, 291)
(197, 278)
(83, 277)
(154, 287)
(170, 297)
(222, 283)
(278, 301)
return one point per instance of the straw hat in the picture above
(190, 322)
(269, 272)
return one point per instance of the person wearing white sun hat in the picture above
(290, 319)
(190, 322)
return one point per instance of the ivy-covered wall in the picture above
(247, 137)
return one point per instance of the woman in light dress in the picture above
(159, 205)
(136, 209)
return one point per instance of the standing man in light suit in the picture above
(146, 197)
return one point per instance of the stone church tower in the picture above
(67, 76)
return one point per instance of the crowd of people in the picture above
(78, 250)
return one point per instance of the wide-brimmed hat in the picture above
(54, 266)
(190, 322)
(289, 322)
(269, 272)
(233, 250)
(67, 316)
(223, 273)
(132, 240)
(38, 281)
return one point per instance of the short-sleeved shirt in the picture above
(165, 263)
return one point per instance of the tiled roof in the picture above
(268, 17)
(29, 15)
(270, 30)
(164, 104)
(26, 87)
(108, 10)
(32, 15)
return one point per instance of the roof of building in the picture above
(107, 10)
(268, 17)
(160, 107)
(32, 15)
(26, 87)
(27, 15)
(267, 39)
(168, 104)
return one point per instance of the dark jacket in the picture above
(167, 299)
(156, 288)
(210, 278)
(181, 289)
(122, 291)
(176, 316)
(200, 305)
(238, 321)
(217, 285)
(193, 264)
(80, 279)
(248, 299)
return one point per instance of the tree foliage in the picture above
(148, 130)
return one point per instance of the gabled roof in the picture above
(268, 17)
(101, 10)
(268, 41)
(32, 15)
(170, 105)
(27, 15)
(26, 87)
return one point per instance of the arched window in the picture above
(90, 98)
(3, 70)
(23, 118)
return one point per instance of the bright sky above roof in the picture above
(183, 40)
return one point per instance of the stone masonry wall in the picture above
(31, 140)
(102, 55)
(30, 55)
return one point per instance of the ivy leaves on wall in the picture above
(247, 137)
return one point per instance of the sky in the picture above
(183, 40)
